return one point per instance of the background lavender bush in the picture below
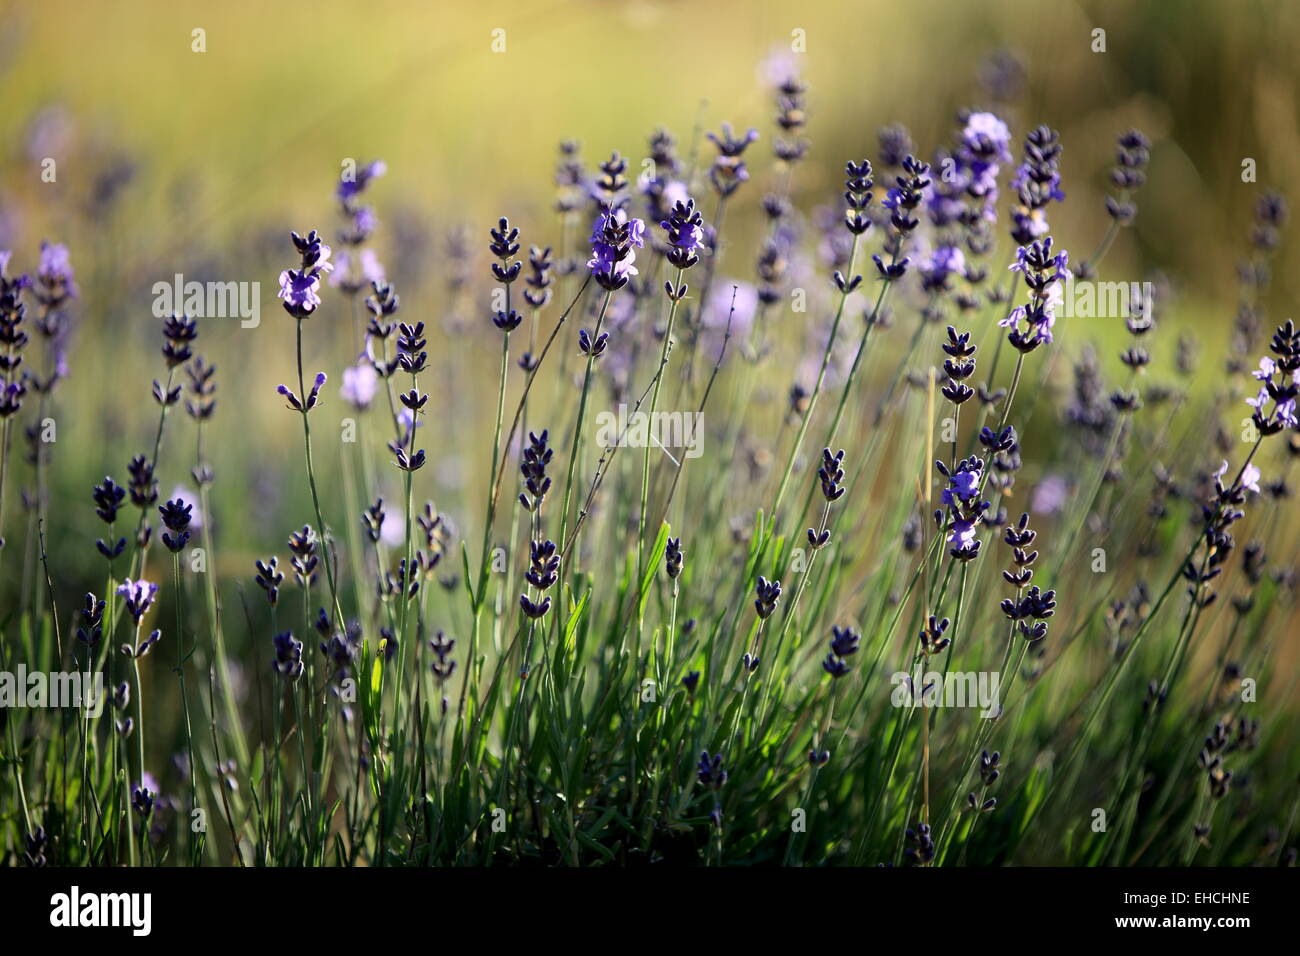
(372, 580)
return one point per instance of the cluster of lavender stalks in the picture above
(531, 692)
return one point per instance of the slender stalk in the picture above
(326, 551)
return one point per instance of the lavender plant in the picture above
(830, 499)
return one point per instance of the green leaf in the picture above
(469, 581)
(572, 624)
(377, 674)
(656, 555)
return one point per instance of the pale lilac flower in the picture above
(613, 238)
(985, 133)
(1250, 478)
(371, 267)
(1267, 367)
(360, 383)
(50, 132)
(55, 263)
(718, 312)
(371, 270)
(138, 596)
(393, 529)
(350, 188)
(940, 265)
(675, 191)
(54, 277)
(404, 419)
(300, 290)
(1285, 413)
(963, 532)
(1049, 495)
(778, 67)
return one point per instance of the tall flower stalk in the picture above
(300, 295)
(685, 234)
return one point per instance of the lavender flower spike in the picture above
(138, 595)
(299, 287)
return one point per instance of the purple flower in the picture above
(985, 134)
(185, 497)
(729, 170)
(370, 270)
(360, 383)
(142, 799)
(685, 229)
(719, 320)
(143, 648)
(55, 264)
(618, 218)
(963, 533)
(1285, 413)
(288, 656)
(1049, 495)
(138, 595)
(1037, 259)
(353, 186)
(1043, 270)
(299, 290)
(1037, 183)
(727, 142)
(940, 265)
(780, 65)
(710, 771)
(54, 279)
(313, 397)
(612, 240)
(965, 485)
(965, 508)
(981, 150)
(1250, 478)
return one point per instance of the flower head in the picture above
(55, 265)
(685, 229)
(353, 183)
(138, 596)
(288, 656)
(940, 266)
(1250, 478)
(299, 287)
(360, 384)
(613, 238)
